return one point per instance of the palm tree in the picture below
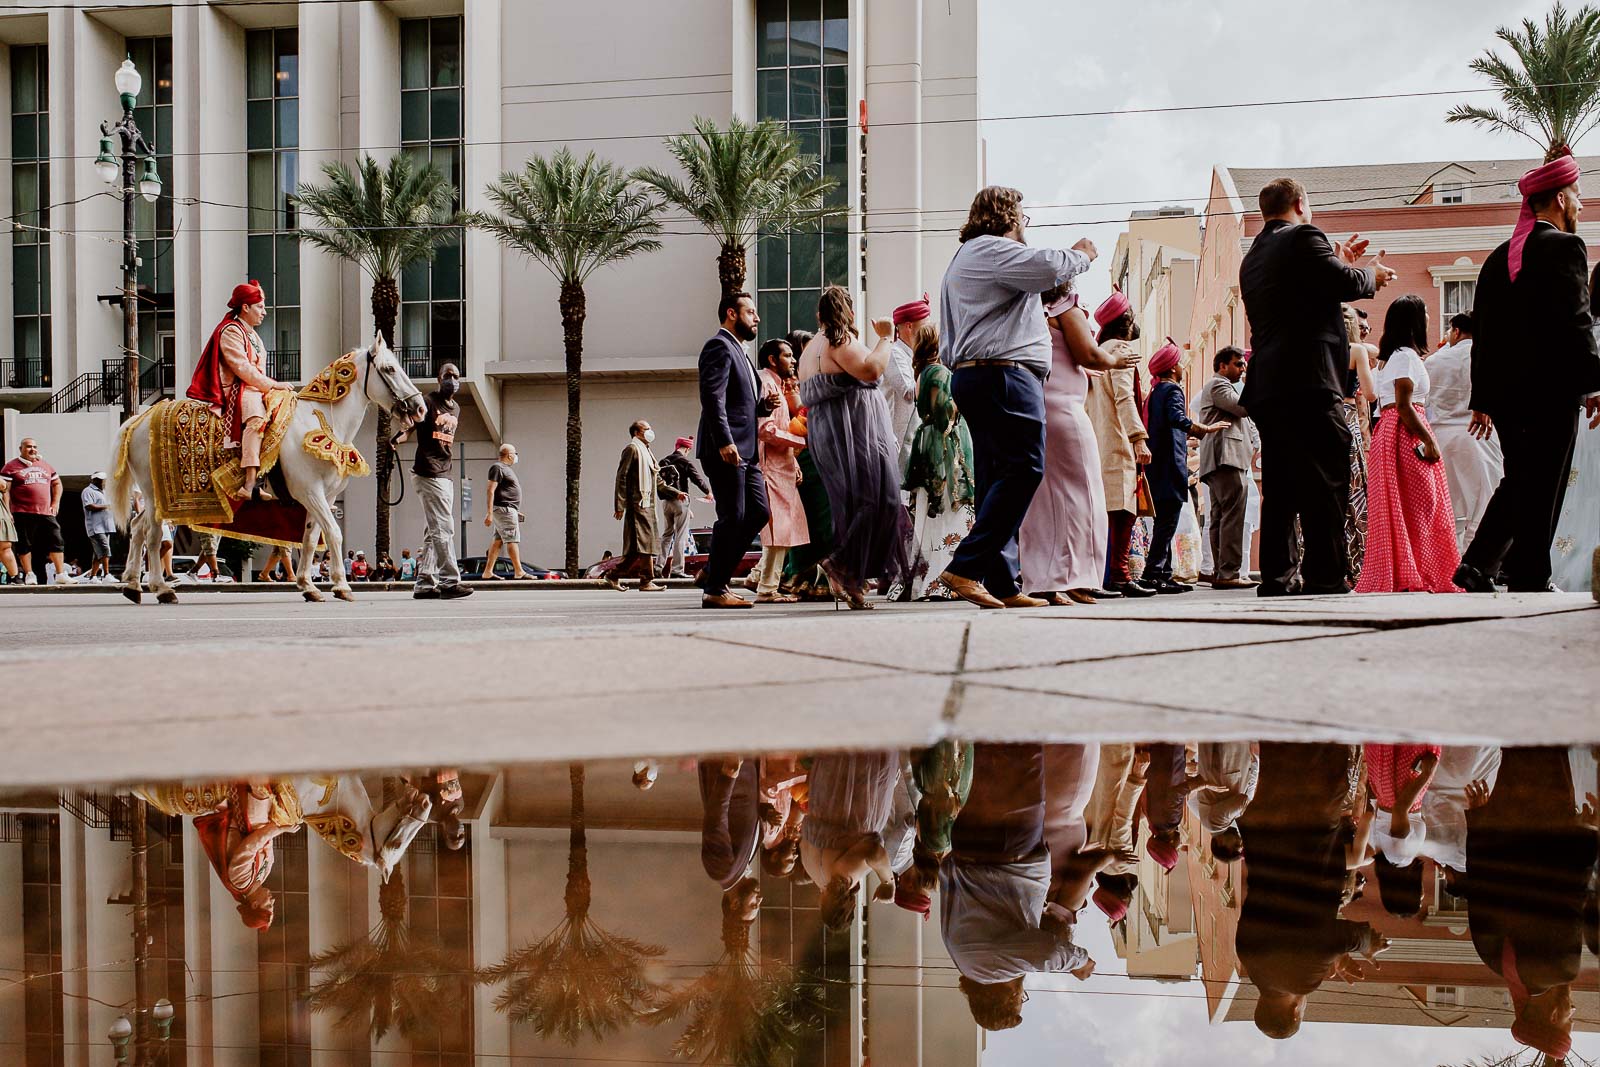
(572, 217)
(392, 978)
(740, 181)
(383, 219)
(1551, 92)
(578, 979)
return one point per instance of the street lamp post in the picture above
(110, 169)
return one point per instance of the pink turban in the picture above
(915, 311)
(1166, 357)
(1163, 852)
(683, 442)
(1113, 308)
(911, 900)
(1115, 907)
(1556, 174)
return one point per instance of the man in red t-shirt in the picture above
(35, 501)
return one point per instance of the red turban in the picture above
(1556, 174)
(915, 311)
(913, 900)
(1115, 306)
(248, 293)
(1540, 1034)
(1163, 852)
(1115, 907)
(683, 442)
(1167, 356)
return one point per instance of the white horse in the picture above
(314, 482)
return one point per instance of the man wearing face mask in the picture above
(438, 576)
(638, 482)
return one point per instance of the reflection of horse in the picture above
(313, 481)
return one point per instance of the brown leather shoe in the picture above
(1023, 600)
(970, 591)
(724, 600)
(1233, 583)
(1056, 600)
(1082, 596)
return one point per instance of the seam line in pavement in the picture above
(1112, 657)
(957, 693)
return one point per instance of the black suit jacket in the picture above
(729, 392)
(1293, 285)
(1533, 339)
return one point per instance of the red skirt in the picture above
(1411, 529)
(1389, 771)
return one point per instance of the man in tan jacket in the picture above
(1113, 406)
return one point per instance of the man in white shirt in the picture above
(1473, 467)
(899, 379)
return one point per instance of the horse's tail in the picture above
(121, 495)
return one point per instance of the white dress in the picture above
(1473, 468)
(1578, 525)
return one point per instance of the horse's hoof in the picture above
(132, 594)
(346, 595)
(312, 596)
(169, 597)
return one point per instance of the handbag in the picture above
(1144, 505)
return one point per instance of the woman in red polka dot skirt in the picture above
(1411, 529)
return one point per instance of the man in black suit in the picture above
(1533, 358)
(730, 396)
(1293, 281)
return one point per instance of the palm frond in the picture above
(391, 979)
(572, 216)
(1550, 87)
(380, 217)
(743, 180)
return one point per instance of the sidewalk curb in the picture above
(543, 585)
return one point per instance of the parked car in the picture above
(694, 562)
(472, 570)
(182, 565)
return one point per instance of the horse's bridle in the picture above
(400, 401)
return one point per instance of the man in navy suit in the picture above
(730, 398)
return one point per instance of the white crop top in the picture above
(1403, 363)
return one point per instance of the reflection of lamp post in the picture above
(121, 1033)
(106, 165)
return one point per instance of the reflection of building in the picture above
(239, 994)
(244, 100)
(1158, 939)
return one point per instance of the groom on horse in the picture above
(231, 377)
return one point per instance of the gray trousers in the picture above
(1225, 522)
(674, 534)
(437, 564)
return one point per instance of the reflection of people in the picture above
(851, 801)
(1530, 859)
(730, 831)
(1223, 790)
(1291, 938)
(237, 838)
(997, 922)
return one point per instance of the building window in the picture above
(803, 80)
(30, 204)
(273, 138)
(432, 122)
(1451, 192)
(283, 958)
(153, 223)
(439, 885)
(1444, 996)
(1458, 298)
(42, 1005)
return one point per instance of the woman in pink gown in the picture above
(1063, 539)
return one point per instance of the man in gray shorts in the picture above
(504, 501)
(99, 525)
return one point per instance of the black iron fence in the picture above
(284, 365)
(24, 374)
(424, 361)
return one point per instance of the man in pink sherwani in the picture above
(231, 377)
(786, 523)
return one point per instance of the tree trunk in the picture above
(385, 310)
(730, 269)
(578, 887)
(573, 309)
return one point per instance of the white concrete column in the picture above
(235, 980)
(321, 333)
(482, 164)
(338, 914)
(7, 337)
(894, 196)
(952, 145)
(86, 332)
(199, 1026)
(222, 257)
(191, 331)
(491, 926)
(894, 993)
(108, 931)
(76, 1039)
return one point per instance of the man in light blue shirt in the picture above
(994, 337)
(99, 525)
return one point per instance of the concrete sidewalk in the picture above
(99, 690)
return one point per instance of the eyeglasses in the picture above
(1026, 221)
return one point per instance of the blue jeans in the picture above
(1004, 409)
(1158, 565)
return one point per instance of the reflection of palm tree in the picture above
(740, 1011)
(578, 978)
(392, 978)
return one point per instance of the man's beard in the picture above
(743, 332)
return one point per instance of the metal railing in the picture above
(283, 365)
(156, 379)
(24, 374)
(85, 391)
(424, 361)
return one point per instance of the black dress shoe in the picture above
(1103, 594)
(1472, 579)
(430, 592)
(1131, 590)
(1547, 587)
(455, 592)
(1171, 587)
(1325, 590)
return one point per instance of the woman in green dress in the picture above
(938, 474)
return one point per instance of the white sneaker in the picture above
(222, 579)
(189, 578)
(66, 579)
(31, 579)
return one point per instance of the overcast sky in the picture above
(1051, 56)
